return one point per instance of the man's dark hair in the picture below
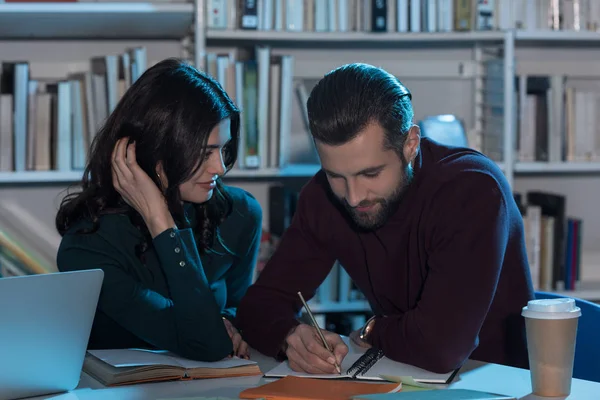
(351, 97)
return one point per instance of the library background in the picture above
(520, 79)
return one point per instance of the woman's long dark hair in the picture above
(169, 112)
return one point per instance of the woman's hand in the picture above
(138, 189)
(240, 348)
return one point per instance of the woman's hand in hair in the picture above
(240, 347)
(138, 189)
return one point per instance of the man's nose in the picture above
(354, 194)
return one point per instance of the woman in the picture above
(177, 247)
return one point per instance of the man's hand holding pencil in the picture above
(313, 350)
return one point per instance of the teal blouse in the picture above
(176, 298)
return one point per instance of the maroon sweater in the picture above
(448, 273)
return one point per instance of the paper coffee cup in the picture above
(551, 327)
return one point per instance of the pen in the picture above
(316, 326)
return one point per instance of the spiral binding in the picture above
(365, 362)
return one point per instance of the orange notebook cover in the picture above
(295, 388)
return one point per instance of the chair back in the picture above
(444, 129)
(587, 350)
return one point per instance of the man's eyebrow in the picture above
(371, 170)
(213, 146)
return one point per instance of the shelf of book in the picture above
(521, 36)
(558, 167)
(41, 177)
(351, 38)
(540, 37)
(292, 171)
(95, 20)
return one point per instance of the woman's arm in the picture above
(188, 322)
(239, 277)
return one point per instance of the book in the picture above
(443, 394)
(297, 388)
(129, 366)
(371, 365)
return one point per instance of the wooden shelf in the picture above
(95, 20)
(292, 171)
(398, 38)
(557, 168)
(351, 38)
(295, 171)
(548, 37)
(40, 177)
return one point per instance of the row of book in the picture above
(553, 240)
(568, 15)
(558, 118)
(49, 125)
(555, 117)
(274, 129)
(350, 15)
(402, 15)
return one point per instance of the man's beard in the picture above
(370, 221)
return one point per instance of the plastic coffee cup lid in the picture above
(562, 308)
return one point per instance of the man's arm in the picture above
(269, 310)
(467, 239)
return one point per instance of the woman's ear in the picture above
(162, 177)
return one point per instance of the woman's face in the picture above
(199, 188)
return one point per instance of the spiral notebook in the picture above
(370, 365)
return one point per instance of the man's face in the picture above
(368, 179)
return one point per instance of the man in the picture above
(430, 234)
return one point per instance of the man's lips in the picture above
(364, 208)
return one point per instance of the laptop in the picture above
(45, 324)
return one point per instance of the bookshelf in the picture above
(110, 20)
(67, 177)
(552, 38)
(293, 171)
(572, 167)
(352, 38)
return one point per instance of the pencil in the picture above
(316, 326)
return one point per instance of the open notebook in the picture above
(370, 365)
(128, 366)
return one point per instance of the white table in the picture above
(474, 375)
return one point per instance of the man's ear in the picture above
(411, 146)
